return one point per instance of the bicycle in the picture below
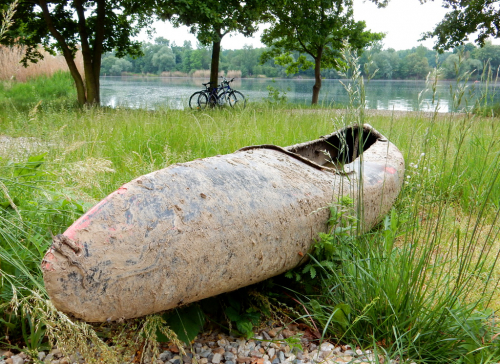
(194, 100)
(225, 94)
(218, 96)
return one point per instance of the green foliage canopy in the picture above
(94, 27)
(211, 20)
(465, 18)
(317, 28)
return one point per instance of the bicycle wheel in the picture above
(237, 100)
(222, 98)
(193, 100)
(203, 101)
(211, 100)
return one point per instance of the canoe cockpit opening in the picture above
(339, 148)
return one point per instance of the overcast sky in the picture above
(403, 21)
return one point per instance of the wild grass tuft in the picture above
(424, 285)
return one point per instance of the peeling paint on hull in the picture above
(209, 226)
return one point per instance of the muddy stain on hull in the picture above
(209, 226)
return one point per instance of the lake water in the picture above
(380, 94)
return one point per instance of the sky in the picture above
(403, 21)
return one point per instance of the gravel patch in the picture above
(268, 346)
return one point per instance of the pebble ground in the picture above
(268, 346)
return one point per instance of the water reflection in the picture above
(151, 93)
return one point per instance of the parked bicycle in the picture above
(219, 96)
(194, 100)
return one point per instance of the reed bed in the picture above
(13, 70)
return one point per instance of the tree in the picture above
(93, 27)
(211, 20)
(489, 53)
(316, 28)
(465, 17)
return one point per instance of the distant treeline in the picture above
(165, 59)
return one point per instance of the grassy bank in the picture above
(423, 285)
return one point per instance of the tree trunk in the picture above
(317, 77)
(214, 67)
(98, 46)
(68, 56)
(91, 85)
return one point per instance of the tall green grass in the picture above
(424, 285)
(56, 91)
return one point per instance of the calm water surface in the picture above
(151, 93)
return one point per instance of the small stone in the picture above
(65, 360)
(166, 356)
(8, 354)
(256, 354)
(347, 358)
(271, 352)
(262, 350)
(326, 347)
(275, 361)
(228, 356)
(273, 332)
(9, 361)
(300, 355)
(41, 355)
(265, 362)
(211, 344)
(229, 362)
(287, 333)
(266, 335)
(349, 353)
(203, 361)
(205, 353)
(281, 356)
(48, 358)
(216, 359)
(290, 358)
(56, 353)
(244, 360)
(219, 351)
(312, 347)
(175, 360)
(222, 342)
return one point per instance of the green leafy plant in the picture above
(332, 247)
(275, 95)
(244, 318)
(186, 322)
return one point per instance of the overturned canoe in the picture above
(198, 229)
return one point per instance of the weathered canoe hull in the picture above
(198, 229)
